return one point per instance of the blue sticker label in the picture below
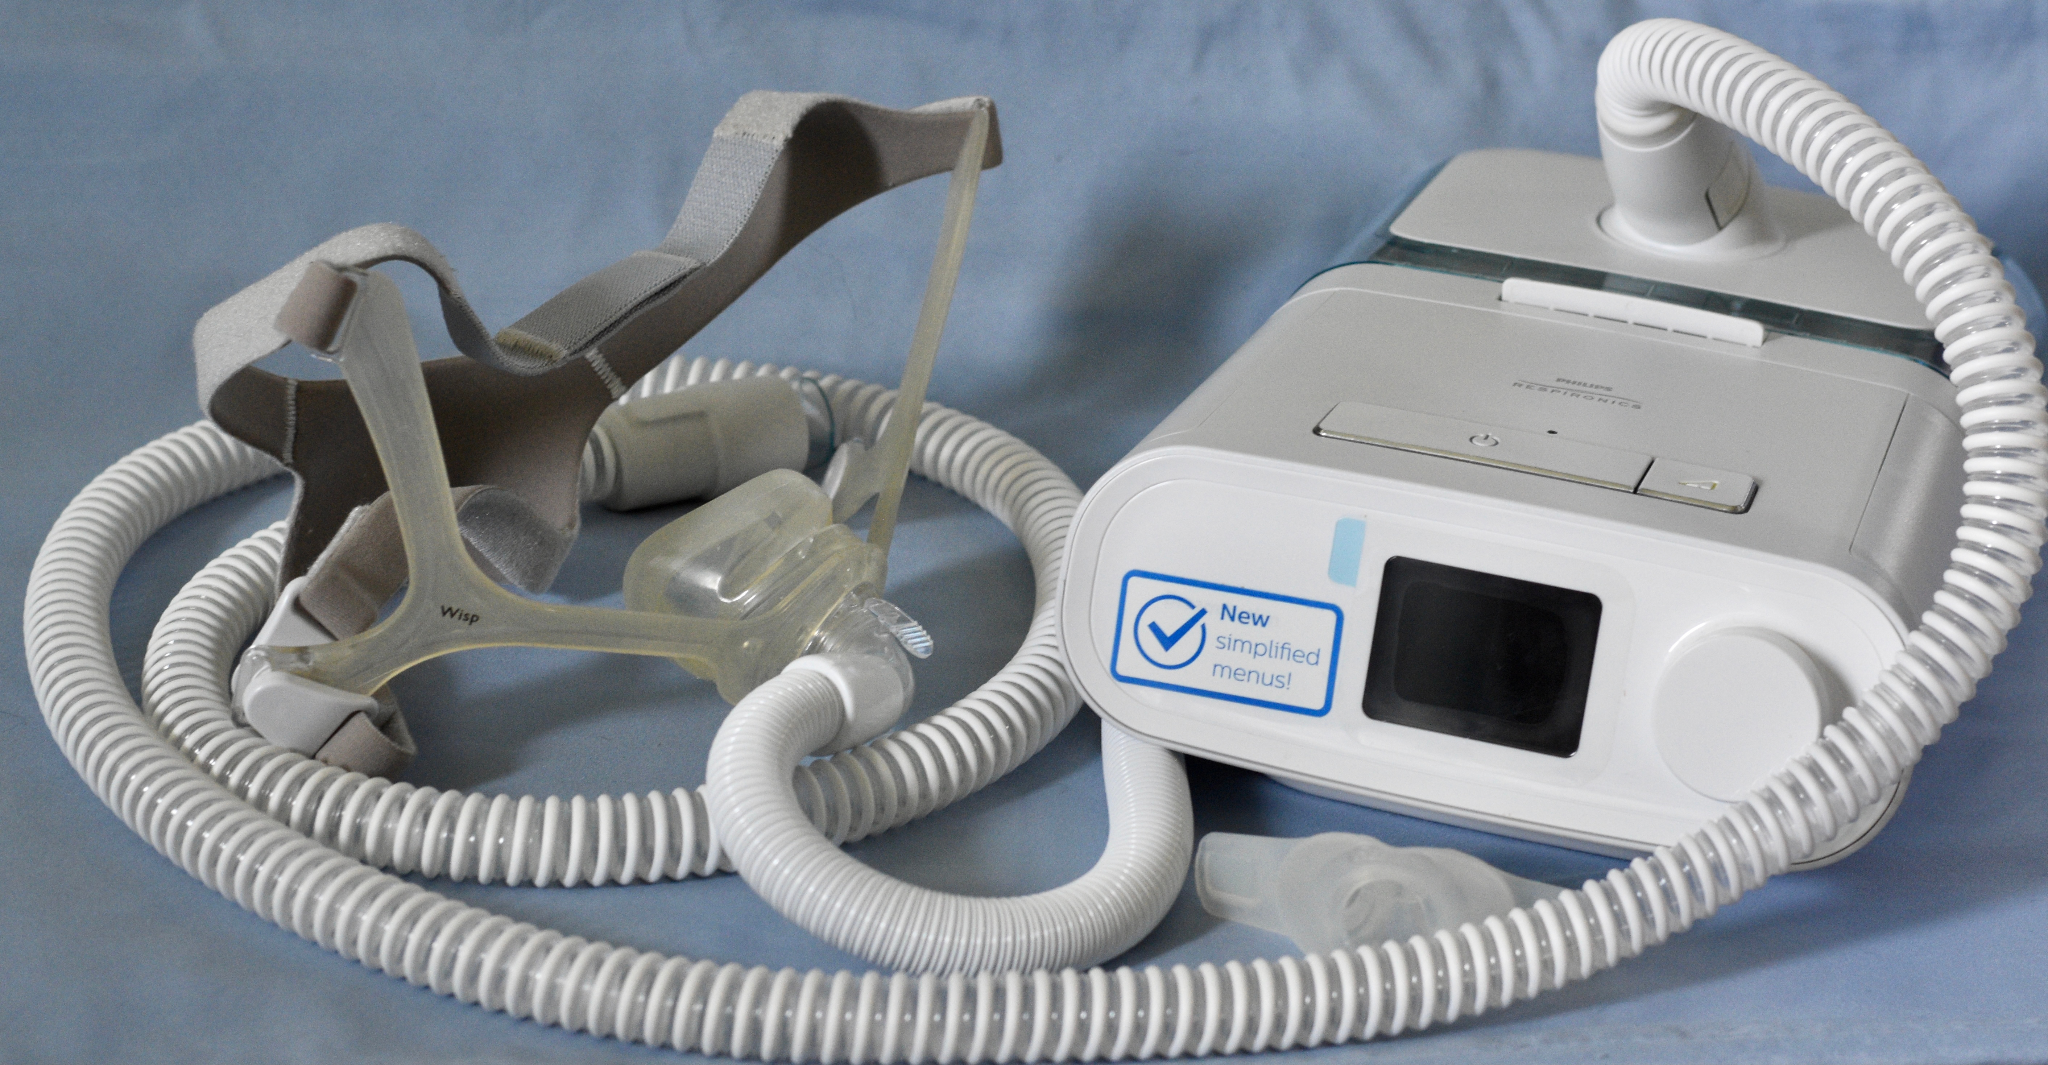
(1220, 641)
(1347, 544)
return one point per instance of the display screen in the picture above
(1482, 656)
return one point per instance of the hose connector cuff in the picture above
(871, 692)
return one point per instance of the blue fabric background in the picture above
(1174, 171)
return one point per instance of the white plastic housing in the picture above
(1266, 528)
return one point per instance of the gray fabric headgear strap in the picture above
(515, 412)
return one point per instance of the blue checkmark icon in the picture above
(1166, 639)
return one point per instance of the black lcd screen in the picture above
(1482, 656)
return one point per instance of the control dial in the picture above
(1735, 705)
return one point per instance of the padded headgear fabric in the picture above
(515, 413)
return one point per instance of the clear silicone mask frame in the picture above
(733, 591)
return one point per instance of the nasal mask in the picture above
(1495, 523)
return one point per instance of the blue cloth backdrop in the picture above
(1174, 171)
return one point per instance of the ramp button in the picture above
(1701, 486)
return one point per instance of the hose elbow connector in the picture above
(704, 441)
(1684, 184)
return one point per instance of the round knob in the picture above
(1736, 705)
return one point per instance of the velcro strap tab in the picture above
(243, 327)
(362, 746)
(364, 565)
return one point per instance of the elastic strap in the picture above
(515, 412)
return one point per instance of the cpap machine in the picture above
(1607, 503)
(1525, 520)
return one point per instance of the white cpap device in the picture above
(1520, 521)
(1602, 507)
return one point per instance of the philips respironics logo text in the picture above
(1583, 391)
(1229, 643)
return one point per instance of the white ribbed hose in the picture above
(330, 897)
(809, 880)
